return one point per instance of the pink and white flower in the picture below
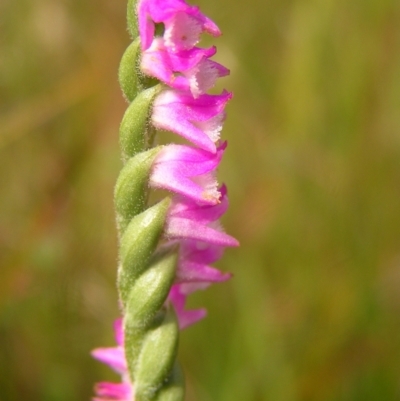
(183, 23)
(187, 70)
(198, 120)
(187, 171)
(202, 242)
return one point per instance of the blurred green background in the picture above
(313, 170)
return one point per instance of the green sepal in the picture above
(135, 123)
(174, 388)
(156, 358)
(151, 289)
(131, 16)
(138, 243)
(128, 70)
(130, 194)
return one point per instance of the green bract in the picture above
(127, 74)
(134, 135)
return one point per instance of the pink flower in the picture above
(115, 358)
(205, 243)
(113, 392)
(202, 242)
(198, 223)
(198, 120)
(194, 263)
(188, 70)
(178, 296)
(187, 171)
(183, 23)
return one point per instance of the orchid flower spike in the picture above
(166, 250)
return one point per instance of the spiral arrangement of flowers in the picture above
(166, 249)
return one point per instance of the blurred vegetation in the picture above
(313, 170)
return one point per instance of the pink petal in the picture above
(188, 317)
(172, 62)
(187, 59)
(163, 10)
(187, 171)
(186, 70)
(196, 272)
(189, 288)
(113, 357)
(170, 119)
(186, 208)
(170, 12)
(185, 317)
(200, 252)
(180, 113)
(194, 109)
(203, 76)
(184, 228)
(146, 25)
(114, 391)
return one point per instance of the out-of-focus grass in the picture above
(313, 170)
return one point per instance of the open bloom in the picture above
(115, 358)
(187, 70)
(187, 171)
(181, 225)
(198, 120)
(202, 242)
